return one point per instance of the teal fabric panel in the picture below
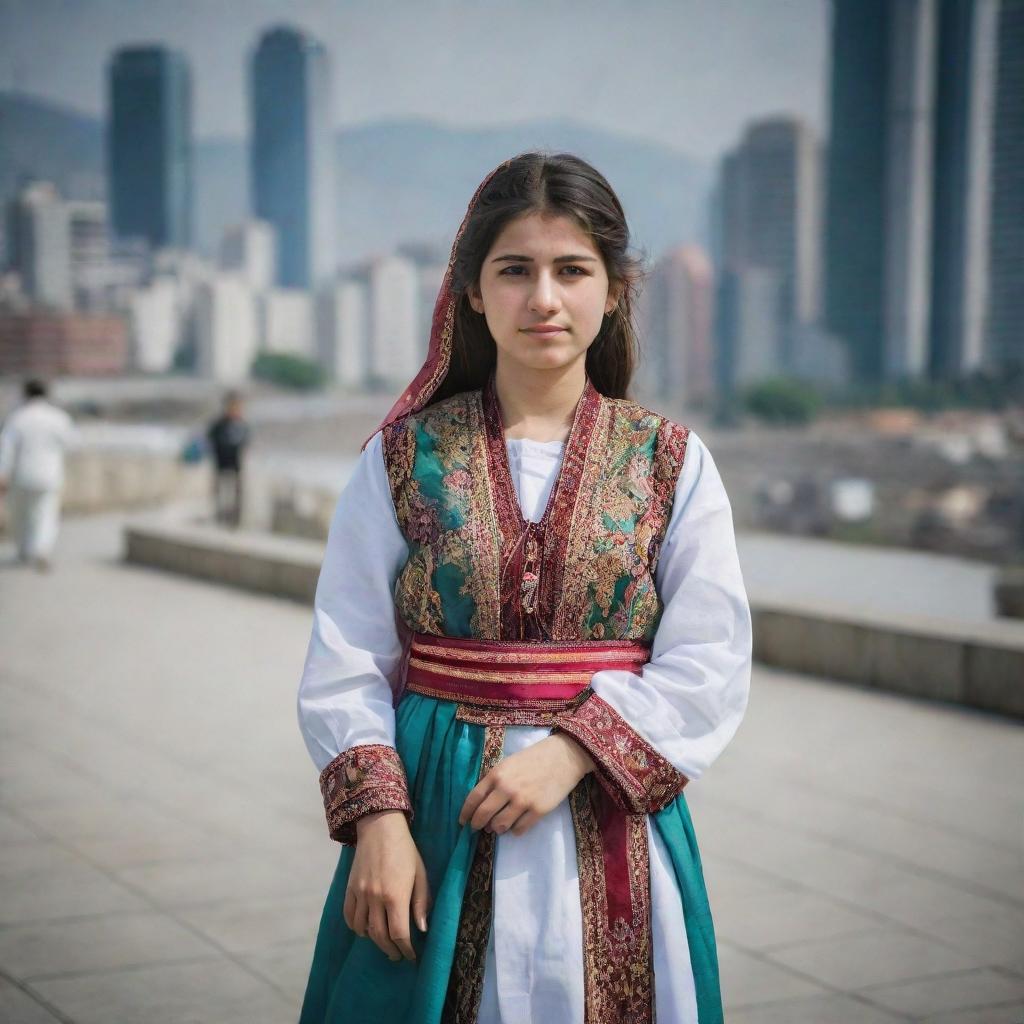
(429, 472)
(675, 827)
(351, 981)
(458, 608)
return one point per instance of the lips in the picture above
(548, 329)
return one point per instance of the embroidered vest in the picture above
(476, 568)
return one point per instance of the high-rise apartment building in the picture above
(149, 141)
(292, 154)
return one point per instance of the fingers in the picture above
(420, 898)
(386, 922)
(380, 931)
(505, 819)
(398, 925)
(360, 915)
(491, 805)
(474, 798)
(525, 822)
(348, 911)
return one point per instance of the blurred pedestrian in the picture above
(228, 436)
(33, 443)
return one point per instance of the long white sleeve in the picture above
(345, 696)
(689, 699)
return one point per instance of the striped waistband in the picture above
(514, 673)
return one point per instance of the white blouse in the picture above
(687, 701)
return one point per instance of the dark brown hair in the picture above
(558, 184)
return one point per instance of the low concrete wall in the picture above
(99, 481)
(103, 480)
(975, 664)
(1009, 592)
(282, 566)
(978, 665)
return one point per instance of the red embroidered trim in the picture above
(359, 781)
(635, 775)
(518, 533)
(615, 897)
(496, 714)
(665, 469)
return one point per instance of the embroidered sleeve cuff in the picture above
(635, 775)
(359, 781)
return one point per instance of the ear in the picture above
(614, 294)
(475, 298)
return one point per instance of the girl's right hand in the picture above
(387, 884)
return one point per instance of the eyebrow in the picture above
(558, 259)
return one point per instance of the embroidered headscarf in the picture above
(434, 370)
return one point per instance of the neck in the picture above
(539, 404)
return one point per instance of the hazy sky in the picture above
(686, 73)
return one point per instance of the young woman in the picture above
(530, 632)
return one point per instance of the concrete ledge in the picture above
(283, 566)
(973, 664)
(1009, 592)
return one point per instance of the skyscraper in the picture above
(964, 125)
(925, 217)
(768, 223)
(771, 216)
(879, 188)
(150, 146)
(1005, 323)
(909, 186)
(292, 153)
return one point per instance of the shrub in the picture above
(782, 400)
(289, 371)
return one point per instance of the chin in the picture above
(553, 358)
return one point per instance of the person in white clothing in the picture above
(33, 443)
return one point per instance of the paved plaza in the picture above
(163, 854)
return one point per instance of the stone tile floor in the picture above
(163, 856)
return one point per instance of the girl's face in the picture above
(543, 271)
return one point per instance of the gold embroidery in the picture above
(618, 961)
(365, 778)
(440, 693)
(635, 775)
(466, 981)
(530, 651)
(591, 580)
(591, 573)
(482, 675)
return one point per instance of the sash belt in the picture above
(514, 676)
(497, 683)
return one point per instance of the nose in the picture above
(544, 297)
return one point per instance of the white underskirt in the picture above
(534, 967)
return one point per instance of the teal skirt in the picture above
(351, 981)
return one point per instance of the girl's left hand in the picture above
(525, 786)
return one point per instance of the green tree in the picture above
(782, 400)
(289, 371)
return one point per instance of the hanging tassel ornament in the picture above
(531, 573)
